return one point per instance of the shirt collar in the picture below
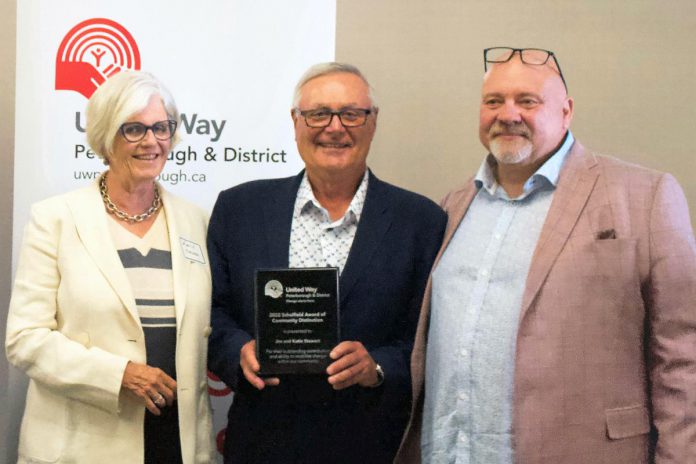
(547, 174)
(306, 200)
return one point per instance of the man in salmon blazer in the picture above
(559, 322)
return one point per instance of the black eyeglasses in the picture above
(135, 131)
(533, 56)
(349, 117)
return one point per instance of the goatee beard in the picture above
(505, 155)
(510, 152)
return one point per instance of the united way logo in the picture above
(93, 51)
(273, 288)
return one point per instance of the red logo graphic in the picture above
(93, 51)
(216, 387)
(220, 440)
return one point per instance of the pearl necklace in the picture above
(122, 215)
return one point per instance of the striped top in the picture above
(148, 265)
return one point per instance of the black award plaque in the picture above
(297, 319)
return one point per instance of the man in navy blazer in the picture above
(334, 213)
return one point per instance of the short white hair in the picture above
(333, 67)
(116, 100)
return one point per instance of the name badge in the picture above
(192, 250)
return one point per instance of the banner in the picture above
(230, 64)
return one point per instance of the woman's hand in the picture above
(152, 385)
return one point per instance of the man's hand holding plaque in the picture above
(250, 367)
(352, 365)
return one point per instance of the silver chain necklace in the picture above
(122, 215)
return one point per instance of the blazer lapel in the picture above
(277, 212)
(575, 184)
(92, 228)
(455, 204)
(181, 266)
(375, 220)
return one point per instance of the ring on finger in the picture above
(159, 400)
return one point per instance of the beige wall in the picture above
(8, 409)
(631, 66)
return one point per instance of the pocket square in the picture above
(606, 234)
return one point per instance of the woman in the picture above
(109, 314)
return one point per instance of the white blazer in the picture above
(73, 326)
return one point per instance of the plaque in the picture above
(297, 319)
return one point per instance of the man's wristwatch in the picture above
(380, 376)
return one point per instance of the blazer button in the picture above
(206, 331)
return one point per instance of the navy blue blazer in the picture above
(381, 288)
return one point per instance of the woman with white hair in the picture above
(110, 309)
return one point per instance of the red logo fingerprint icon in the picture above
(93, 51)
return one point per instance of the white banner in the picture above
(230, 64)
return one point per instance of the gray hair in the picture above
(323, 69)
(116, 100)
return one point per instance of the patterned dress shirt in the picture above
(316, 240)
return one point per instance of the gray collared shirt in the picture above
(476, 296)
(315, 240)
